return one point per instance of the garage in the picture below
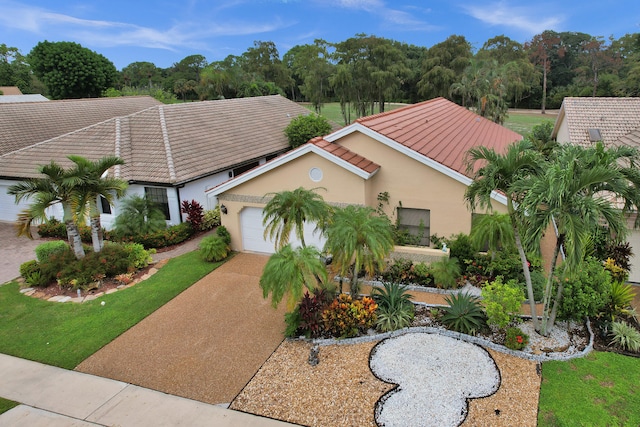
(634, 241)
(8, 209)
(253, 233)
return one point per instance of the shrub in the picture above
(621, 296)
(224, 234)
(538, 282)
(586, 292)
(305, 127)
(44, 250)
(346, 318)
(310, 309)
(460, 247)
(476, 269)
(139, 216)
(194, 212)
(28, 267)
(399, 271)
(395, 309)
(36, 279)
(389, 319)
(137, 256)
(516, 339)
(52, 228)
(422, 274)
(445, 273)
(210, 219)
(292, 322)
(502, 302)
(625, 336)
(213, 248)
(464, 314)
(167, 237)
(618, 274)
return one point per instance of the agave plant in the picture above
(625, 336)
(464, 314)
(395, 309)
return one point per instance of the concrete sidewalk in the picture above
(51, 396)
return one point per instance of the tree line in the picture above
(362, 73)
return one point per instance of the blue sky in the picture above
(165, 31)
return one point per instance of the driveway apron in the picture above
(205, 344)
(14, 251)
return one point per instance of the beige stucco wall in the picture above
(415, 185)
(342, 187)
(563, 132)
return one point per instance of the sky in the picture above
(166, 31)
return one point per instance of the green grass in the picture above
(332, 112)
(64, 334)
(598, 390)
(524, 122)
(5, 405)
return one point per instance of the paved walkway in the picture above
(14, 251)
(55, 397)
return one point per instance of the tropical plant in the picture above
(576, 193)
(494, 231)
(288, 211)
(502, 302)
(346, 317)
(625, 336)
(210, 218)
(446, 272)
(224, 234)
(289, 271)
(139, 216)
(56, 186)
(359, 240)
(515, 339)
(46, 249)
(498, 172)
(94, 184)
(194, 212)
(586, 291)
(621, 296)
(311, 308)
(463, 314)
(395, 309)
(618, 274)
(213, 248)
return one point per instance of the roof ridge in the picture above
(167, 144)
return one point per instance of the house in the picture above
(10, 90)
(415, 155)
(614, 121)
(171, 152)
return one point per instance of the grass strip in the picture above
(600, 389)
(64, 334)
(6, 404)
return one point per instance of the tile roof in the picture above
(10, 90)
(25, 124)
(346, 155)
(172, 144)
(440, 130)
(4, 99)
(614, 117)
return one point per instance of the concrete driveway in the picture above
(14, 251)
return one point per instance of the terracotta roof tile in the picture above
(25, 124)
(440, 130)
(172, 143)
(346, 155)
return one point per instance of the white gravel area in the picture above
(435, 376)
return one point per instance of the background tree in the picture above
(141, 74)
(14, 70)
(303, 128)
(540, 50)
(310, 69)
(359, 240)
(443, 66)
(71, 71)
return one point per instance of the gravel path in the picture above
(205, 344)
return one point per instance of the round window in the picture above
(315, 174)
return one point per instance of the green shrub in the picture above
(538, 282)
(346, 318)
(445, 273)
(422, 274)
(399, 271)
(213, 248)
(625, 336)
(137, 256)
(210, 219)
(389, 319)
(168, 237)
(621, 297)
(37, 279)
(516, 339)
(618, 274)
(28, 267)
(460, 247)
(292, 322)
(502, 302)
(476, 269)
(587, 292)
(44, 250)
(464, 314)
(52, 228)
(304, 127)
(395, 309)
(224, 234)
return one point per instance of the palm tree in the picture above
(138, 215)
(289, 271)
(580, 189)
(359, 239)
(289, 210)
(493, 230)
(57, 186)
(95, 185)
(498, 173)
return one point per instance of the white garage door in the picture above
(8, 209)
(634, 241)
(253, 233)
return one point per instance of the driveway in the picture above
(14, 251)
(206, 344)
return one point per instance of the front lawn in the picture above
(64, 334)
(5, 405)
(600, 389)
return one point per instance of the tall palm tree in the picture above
(359, 239)
(56, 186)
(94, 184)
(287, 211)
(289, 271)
(498, 173)
(580, 189)
(495, 231)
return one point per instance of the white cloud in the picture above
(523, 18)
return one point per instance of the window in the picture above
(105, 207)
(159, 197)
(417, 223)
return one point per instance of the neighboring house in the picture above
(10, 90)
(614, 121)
(172, 153)
(415, 155)
(12, 99)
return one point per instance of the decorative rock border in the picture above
(33, 292)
